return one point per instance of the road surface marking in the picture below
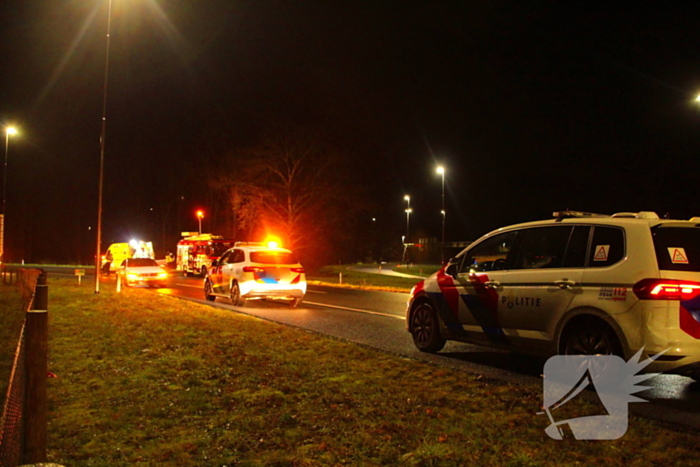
(324, 305)
(201, 287)
(353, 309)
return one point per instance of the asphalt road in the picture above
(376, 319)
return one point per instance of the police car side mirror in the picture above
(214, 263)
(451, 270)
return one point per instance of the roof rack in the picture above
(637, 215)
(250, 244)
(568, 214)
(270, 245)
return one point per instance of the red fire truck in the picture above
(195, 252)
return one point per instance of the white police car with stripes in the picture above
(578, 284)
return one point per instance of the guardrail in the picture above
(23, 428)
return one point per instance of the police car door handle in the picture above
(565, 284)
(492, 284)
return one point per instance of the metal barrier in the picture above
(23, 427)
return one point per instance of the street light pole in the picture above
(98, 252)
(408, 214)
(441, 171)
(200, 215)
(9, 131)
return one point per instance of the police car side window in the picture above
(607, 247)
(225, 257)
(489, 255)
(238, 256)
(575, 256)
(230, 258)
(543, 247)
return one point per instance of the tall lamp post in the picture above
(200, 216)
(9, 131)
(98, 252)
(408, 214)
(441, 171)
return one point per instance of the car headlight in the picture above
(162, 275)
(132, 276)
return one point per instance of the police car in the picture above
(250, 271)
(578, 284)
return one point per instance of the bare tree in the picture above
(292, 185)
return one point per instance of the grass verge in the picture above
(330, 275)
(145, 379)
(11, 320)
(423, 270)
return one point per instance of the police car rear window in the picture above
(271, 257)
(141, 262)
(677, 248)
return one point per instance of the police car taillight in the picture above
(666, 289)
(298, 270)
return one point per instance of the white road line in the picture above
(202, 287)
(354, 309)
(324, 305)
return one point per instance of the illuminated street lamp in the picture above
(103, 134)
(200, 216)
(9, 131)
(441, 170)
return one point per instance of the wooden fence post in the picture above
(36, 361)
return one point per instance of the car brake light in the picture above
(253, 269)
(298, 270)
(666, 289)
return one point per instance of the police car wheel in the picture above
(590, 338)
(236, 298)
(425, 329)
(208, 291)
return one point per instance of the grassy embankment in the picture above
(145, 379)
(11, 320)
(331, 275)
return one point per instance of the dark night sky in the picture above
(531, 106)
